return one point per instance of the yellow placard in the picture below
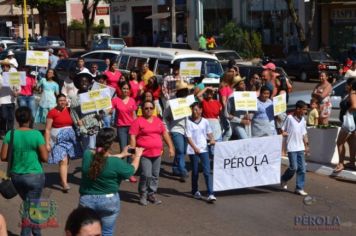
(88, 107)
(94, 94)
(245, 101)
(181, 112)
(103, 103)
(15, 81)
(279, 104)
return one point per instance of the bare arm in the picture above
(132, 141)
(353, 100)
(4, 148)
(42, 150)
(47, 133)
(136, 158)
(169, 142)
(191, 143)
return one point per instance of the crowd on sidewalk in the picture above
(140, 120)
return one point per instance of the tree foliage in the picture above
(43, 7)
(304, 35)
(247, 44)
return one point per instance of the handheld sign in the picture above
(180, 107)
(190, 68)
(95, 100)
(37, 58)
(11, 79)
(245, 101)
(279, 104)
(97, 86)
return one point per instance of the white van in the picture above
(160, 61)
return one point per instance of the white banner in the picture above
(247, 163)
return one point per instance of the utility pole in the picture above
(25, 23)
(173, 19)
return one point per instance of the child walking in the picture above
(295, 130)
(198, 131)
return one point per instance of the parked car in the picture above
(247, 71)
(7, 43)
(21, 47)
(337, 94)
(51, 42)
(307, 65)
(224, 56)
(174, 45)
(66, 66)
(103, 54)
(108, 43)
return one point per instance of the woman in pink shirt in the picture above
(26, 97)
(125, 108)
(225, 90)
(147, 132)
(113, 75)
(136, 85)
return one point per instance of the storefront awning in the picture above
(157, 16)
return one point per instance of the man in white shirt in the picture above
(12, 59)
(351, 72)
(294, 128)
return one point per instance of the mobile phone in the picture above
(131, 151)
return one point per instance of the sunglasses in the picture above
(148, 108)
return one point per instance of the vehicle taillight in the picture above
(322, 67)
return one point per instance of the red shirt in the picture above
(211, 109)
(149, 135)
(125, 112)
(27, 90)
(225, 91)
(135, 89)
(60, 118)
(113, 78)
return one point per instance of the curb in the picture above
(325, 170)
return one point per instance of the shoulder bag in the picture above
(7, 188)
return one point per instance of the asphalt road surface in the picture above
(254, 211)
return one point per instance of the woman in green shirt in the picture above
(102, 173)
(29, 150)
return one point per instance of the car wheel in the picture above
(303, 77)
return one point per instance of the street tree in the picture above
(304, 35)
(88, 11)
(44, 7)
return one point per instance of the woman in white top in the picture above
(198, 131)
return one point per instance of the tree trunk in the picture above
(89, 17)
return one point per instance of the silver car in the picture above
(337, 94)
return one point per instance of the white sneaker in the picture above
(284, 185)
(301, 192)
(197, 195)
(211, 198)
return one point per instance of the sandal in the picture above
(65, 189)
(339, 168)
(350, 165)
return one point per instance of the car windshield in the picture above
(320, 56)
(117, 41)
(209, 66)
(222, 56)
(53, 38)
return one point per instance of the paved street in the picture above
(254, 211)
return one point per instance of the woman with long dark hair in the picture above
(29, 150)
(102, 173)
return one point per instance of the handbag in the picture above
(7, 188)
(349, 122)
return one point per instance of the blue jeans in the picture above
(88, 141)
(28, 101)
(107, 206)
(107, 121)
(296, 164)
(180, 144)
(29, 186)
(124, 138)
(194, 161)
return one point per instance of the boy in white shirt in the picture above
(294, 129)
(198, 131)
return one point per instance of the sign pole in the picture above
(25, 24)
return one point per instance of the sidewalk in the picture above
(326, 170)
